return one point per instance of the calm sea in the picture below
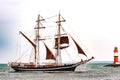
(89, 71)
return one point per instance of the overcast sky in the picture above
(95, 22)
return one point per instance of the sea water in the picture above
(89, 71)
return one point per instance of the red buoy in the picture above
(116, 60)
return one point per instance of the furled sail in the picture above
(80, 51)
(49, 54)
(63, 41)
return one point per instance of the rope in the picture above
(69, 55)
(51, 17)
(80, 42)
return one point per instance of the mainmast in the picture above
(38, 38)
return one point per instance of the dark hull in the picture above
(70, 67)
(55, 68)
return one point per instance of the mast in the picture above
(38, 38)
(58, 54)
(58, 49)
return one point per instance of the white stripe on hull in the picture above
(59, 68)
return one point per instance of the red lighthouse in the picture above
(116, 60)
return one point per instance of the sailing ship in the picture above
(54, 53)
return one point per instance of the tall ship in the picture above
(52, 50)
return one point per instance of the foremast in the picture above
(58, 52)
